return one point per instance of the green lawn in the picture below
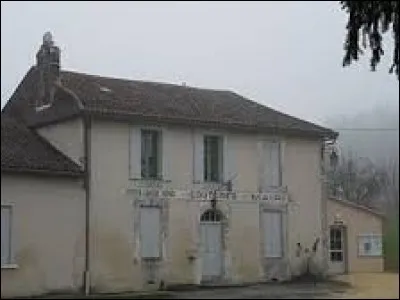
(391, 244)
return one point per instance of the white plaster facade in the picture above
(115, 262)
(47, 234)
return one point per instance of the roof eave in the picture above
(44, 172)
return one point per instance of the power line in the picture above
(366, 129)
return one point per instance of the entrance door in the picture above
(211, 240)
(337, 255)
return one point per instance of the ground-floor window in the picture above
(273, 234)
(150, 232)
(369, 245)
(6, 235)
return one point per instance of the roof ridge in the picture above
(142, 81)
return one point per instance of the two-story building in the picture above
(179, 185)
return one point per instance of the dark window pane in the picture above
(336, 256)
(367, 247)
(340, 256)
(211, 215)
(150, 154)
(212, 158)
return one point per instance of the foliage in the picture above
(371, 19)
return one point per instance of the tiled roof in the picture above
(130, 99)
(23, 150)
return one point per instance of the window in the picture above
(151, 154)
(212, 158)
(6, 258)
(273, 234)
(211, 215)
(370, 245)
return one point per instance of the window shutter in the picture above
(5, 235)
(272, 228)
(198, 157)
(166, 153)
(135, 153)
(275, 164)
(261, 165)
(229, 160)
(270, 164)
(150, 232)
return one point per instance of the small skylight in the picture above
(105, 89)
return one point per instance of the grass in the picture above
(391, 244)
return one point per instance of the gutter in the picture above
(87, 151)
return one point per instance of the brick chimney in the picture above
(48, 64)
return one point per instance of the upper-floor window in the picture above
(212, 158)
(150, 154)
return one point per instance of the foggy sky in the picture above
(285, 55)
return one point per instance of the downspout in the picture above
(87, 150)
(324, 206)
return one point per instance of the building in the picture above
(180, 185)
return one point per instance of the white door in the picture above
(211, 238)
(337, 255)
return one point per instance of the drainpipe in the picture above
(324, 208)
(87, 138)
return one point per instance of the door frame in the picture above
(345, 246)
(204, 279)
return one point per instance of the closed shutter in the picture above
(272, 230)
(150, 232)
(275, 164)
(165, 154)
(229, 159)
(270, 164)
(198, 157)
(135, 153)
(5, 235)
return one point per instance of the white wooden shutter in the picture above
(275, 164)
(270, 164)
(198, 157)
(272, 230)
(229, 159)
(166, 153)
(135, 153)
(261, 165)
(5, 235)
(150, 232)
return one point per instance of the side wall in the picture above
(47, 234)
(357, 222)
(67, 137)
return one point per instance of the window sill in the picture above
(150, 180)
(9, 267)
(370, 256)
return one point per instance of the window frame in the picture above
(207, 160)
(371, 236)
(158, 151)
(11, 260)
(336, 250)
